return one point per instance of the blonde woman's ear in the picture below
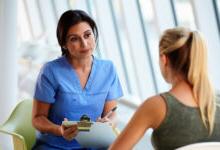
(164, 59)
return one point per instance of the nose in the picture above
(83, 43)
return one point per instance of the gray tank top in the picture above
(182, 125)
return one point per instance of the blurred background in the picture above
(129, 34)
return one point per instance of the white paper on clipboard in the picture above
(100, 135)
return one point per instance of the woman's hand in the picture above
(105, 120)
(108, 114)
(69, 133)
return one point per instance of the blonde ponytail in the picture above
(198, 78)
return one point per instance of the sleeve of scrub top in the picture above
(115, 90)
(45, 86)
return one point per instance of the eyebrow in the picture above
(78, 35)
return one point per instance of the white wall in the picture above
(8, 63)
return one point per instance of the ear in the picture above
(164, 59)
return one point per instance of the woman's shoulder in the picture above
(51, 66)
(103, 61)
(155, 107)
(105, 64)
(156, 101)
(53, 63)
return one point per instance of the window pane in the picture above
(216, 4)
(218, 7)
(184, 13)
(152, 31)
(122, 40)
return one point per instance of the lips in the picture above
(84, 51)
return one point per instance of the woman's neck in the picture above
(180, 83)
(184, 92)
(81, 64)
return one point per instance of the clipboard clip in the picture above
(84, 124)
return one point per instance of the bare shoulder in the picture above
(155, 108)
(155, 102)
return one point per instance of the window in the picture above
(183, 13)
(133, 46)
(216, 4)
(151, 36)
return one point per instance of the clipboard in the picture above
(100, 135)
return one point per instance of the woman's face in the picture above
(80, 41)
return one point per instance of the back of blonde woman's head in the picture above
(187, 54)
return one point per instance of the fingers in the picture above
(105, 120)
(71, 129)
(69, 133)
(99, 119)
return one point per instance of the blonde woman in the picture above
(188, 112)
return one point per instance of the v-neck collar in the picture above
(76, 78)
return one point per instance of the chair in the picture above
(19, 126)
(201, 146)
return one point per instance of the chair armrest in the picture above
(18, 140)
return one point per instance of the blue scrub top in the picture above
(59, 85)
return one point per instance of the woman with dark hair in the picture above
(75, 84)
(187, 113)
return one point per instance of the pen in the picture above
(110, 112)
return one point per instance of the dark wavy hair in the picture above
(70, 18)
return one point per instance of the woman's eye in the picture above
(73, 39)
(87, 35)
